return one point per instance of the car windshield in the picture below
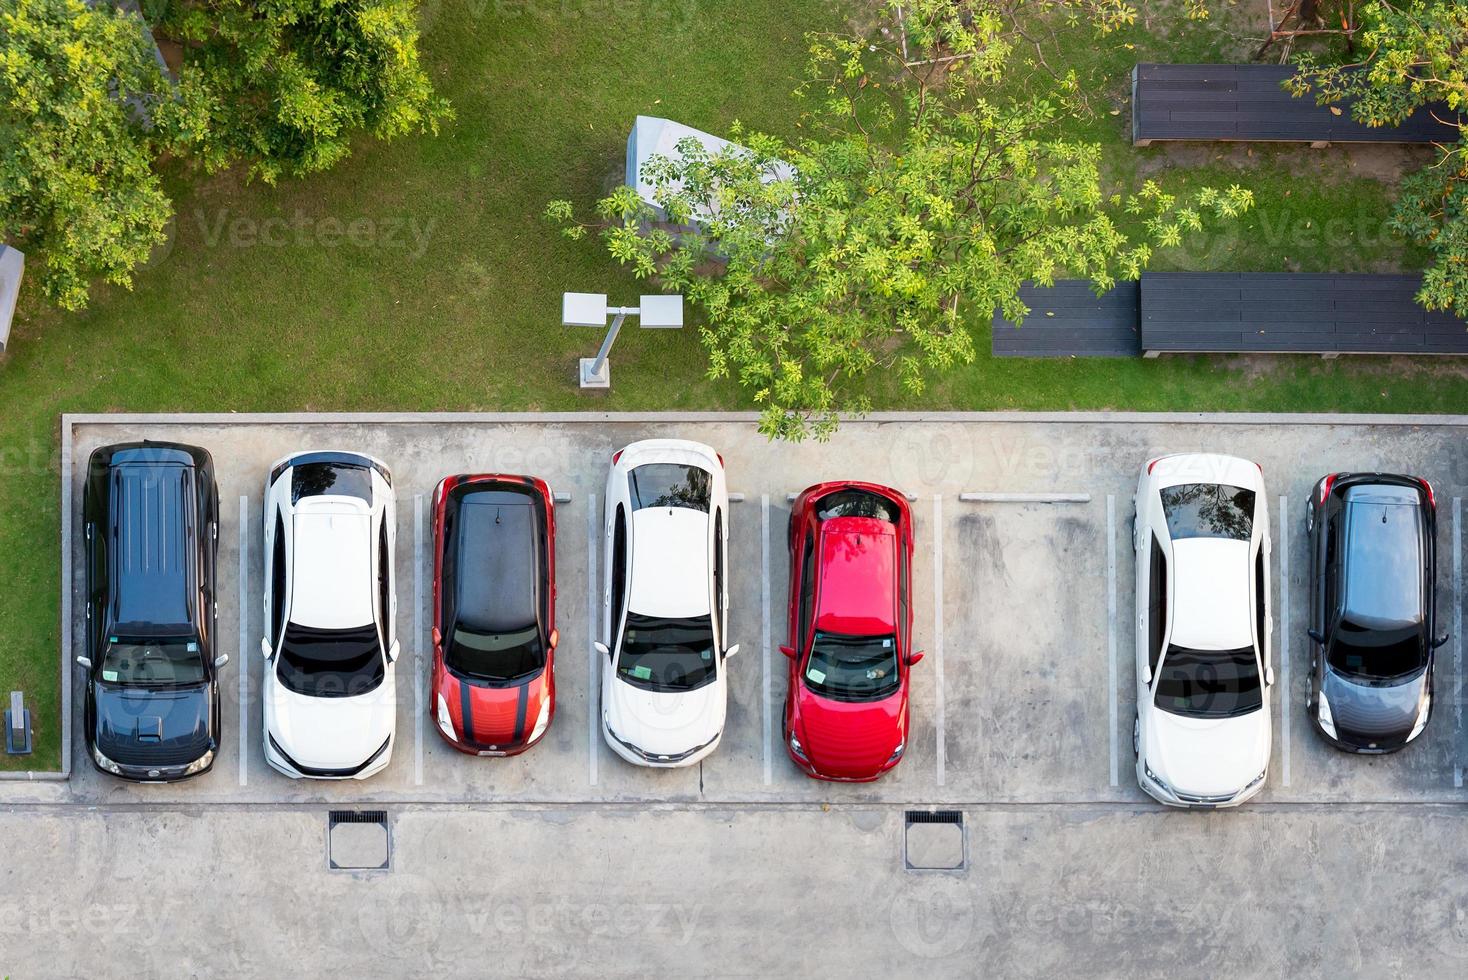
(323, 663)
(155, 662)
(1377, 655)
(1208, 510)
(670, 485)
(495, 656)
(852, 668)
(661, 654)
(1209, 683)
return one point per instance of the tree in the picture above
(1414, 55)
(77, 185)
(283, 86)
(922, 196)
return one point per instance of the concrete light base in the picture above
(590, 380)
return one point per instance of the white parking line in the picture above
(420, 717)
(1458, 636)
(764, 598)
(938, 630)
(1283, 546)
(1112, 686)
(986, 497)
(593, 691)
(244, 659)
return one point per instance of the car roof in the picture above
(151, 575)
(857, 561)
(1382, 567)
(497, 565)
(670, 562)
(332, 583)
(1210, 606)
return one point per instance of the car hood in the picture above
(665, 723)
(1208, 756)
(849, 738)
(153, 726)
(1369, 711)
(494, 717)
(331, 733)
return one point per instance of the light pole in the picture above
(591, 310)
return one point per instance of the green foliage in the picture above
(76, 180)
(283, 85)
(280, 86)
(919, 201)
(1416, 54)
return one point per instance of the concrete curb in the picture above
(878, 418)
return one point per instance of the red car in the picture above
(494, 611)
(850, 644)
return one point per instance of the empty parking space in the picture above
(1022, 597)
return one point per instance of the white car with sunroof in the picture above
(1202, 732)
(330, 690)
(665, 603)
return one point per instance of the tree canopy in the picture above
(918, 201)
(1413, 55)
(77, 183)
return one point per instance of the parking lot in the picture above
(1022, 709)
(1024, 607)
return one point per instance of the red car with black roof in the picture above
(494, 631)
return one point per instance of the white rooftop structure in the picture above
(652, 136)
(12, 266)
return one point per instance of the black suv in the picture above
(151, 524)
(1373, 575)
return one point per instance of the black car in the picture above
(151, 525)
(1373, 575)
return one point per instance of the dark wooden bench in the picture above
(1249, 103)
(1070, 320)
(1327, 314)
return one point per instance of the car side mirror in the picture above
(1316, 635)
(221, 660)
(438, 637)
(1268, 676)
(731, 651)
(1147, 676)
(265, 648)
(787, 650)
(1439, 641)
(555, 638)
(602, 648)
(84, 662)
(914, 657)
(393, 651)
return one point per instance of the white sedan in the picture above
(1202, 734)
(665, 603)
(330, 693)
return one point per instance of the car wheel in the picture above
(1137, 736)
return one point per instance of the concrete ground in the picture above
(566, 860)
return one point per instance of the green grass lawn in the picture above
(419, 275)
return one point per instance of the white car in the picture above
(1202, 734)
(330, 692)
(665, 603)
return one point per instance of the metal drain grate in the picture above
(934, 840)
(358, 840)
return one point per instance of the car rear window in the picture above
(1208, 510)
(670, 485)
(856, 503)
